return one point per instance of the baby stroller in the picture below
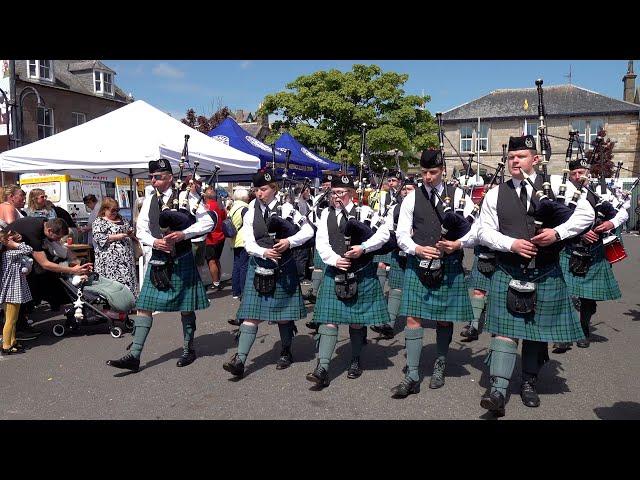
(97, 299)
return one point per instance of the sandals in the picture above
(16, 348)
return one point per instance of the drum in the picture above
(477, 193)
(613, 249)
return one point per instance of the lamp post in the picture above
(6, 102)
(23, 94)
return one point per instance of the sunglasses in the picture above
(116, 210)
(42, 196)
(156, 177)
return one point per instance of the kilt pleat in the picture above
(477, 279)
(369, 308)
(396, 273)
(554, 319)
(186, 294)
(285, 304)
(448, 303)
(386, 258)
(598, 284)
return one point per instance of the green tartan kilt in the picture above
(447, 303)
(369, 307)
(396, 273)
(554, 319)
(285, 304)
(386, 258)
(479, 280)
(186, 294)
(598, 284)
(317, 261)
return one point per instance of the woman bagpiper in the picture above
(350, 292)
(272, 290)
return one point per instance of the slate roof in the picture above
(76, 82)
(255, 130)
(559, 100)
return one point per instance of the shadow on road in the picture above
(619, 411)
(634, 314)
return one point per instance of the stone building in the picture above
(257, 126)
(511, 112)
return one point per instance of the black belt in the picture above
(516, 261)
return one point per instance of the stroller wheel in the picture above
(116, 332)
(128, 324)
(58, 330)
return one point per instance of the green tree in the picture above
(202, 123)
(324, 110)
(602, 160)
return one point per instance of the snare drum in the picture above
(477, 193)
(613, 249)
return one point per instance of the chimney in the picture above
(629, 81)
(240, 116)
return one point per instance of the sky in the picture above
(174, 86)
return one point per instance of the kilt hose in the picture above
(284, 304)
(449, 302)
(386, 258)
(598, 284)
(369, 307)
(186, 294)
(554, 318)
(396, 272)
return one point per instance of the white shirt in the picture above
(622, 215)
(323, 246)
(250, 244)
(404, 231)
(489, 228)
(204, 223)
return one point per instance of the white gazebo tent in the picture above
(122, 142)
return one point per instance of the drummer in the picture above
(593, 280)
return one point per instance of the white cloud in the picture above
(245, 64)
(167, 71)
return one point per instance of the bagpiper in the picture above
(272, 289)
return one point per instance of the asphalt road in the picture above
(66, 378)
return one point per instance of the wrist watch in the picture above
(364, 250)
(557, 236)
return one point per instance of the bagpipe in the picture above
(453, 226)
(545, 146)
(548, 213)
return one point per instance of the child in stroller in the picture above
(97, 299)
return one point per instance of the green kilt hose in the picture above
(479, 280)
(396, 272)
(447, 303)
(285, 304)
(186, 294)
(386, 258)
(554, 319)
(369, 307)
(598, 284)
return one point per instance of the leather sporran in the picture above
(264, 280)
(161, 274)
(486, 262)
(346, 286)
(402, 259)
(580, 262)
(431, 272)
(521, 297)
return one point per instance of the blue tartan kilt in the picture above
(317, 261)
(369, 307)
(396, 273)
(284, 304)
(598, 284)
(449, 302)
(186, 294)
(478, 280)
(554, 318)
(386, 258)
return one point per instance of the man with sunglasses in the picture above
(180, 289)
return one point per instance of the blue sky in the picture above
(176, 85)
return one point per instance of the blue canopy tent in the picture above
(232, 134)
(299, 152)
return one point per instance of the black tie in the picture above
(343, 222)
(433, 197)
(266, 212)
(523, 195)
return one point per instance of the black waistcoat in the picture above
(426, 219)
(516, 223)
(591, 198)
(261, 233)
(337, 242)
(154, 221)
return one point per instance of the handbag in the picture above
(228, 228)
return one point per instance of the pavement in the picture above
(66, 377)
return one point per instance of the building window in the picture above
(587, 130)
(103, 82)
(40, 69)
(467, 133)
(45, 122)
(531, 128)
(78, 118)
(466, 138)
